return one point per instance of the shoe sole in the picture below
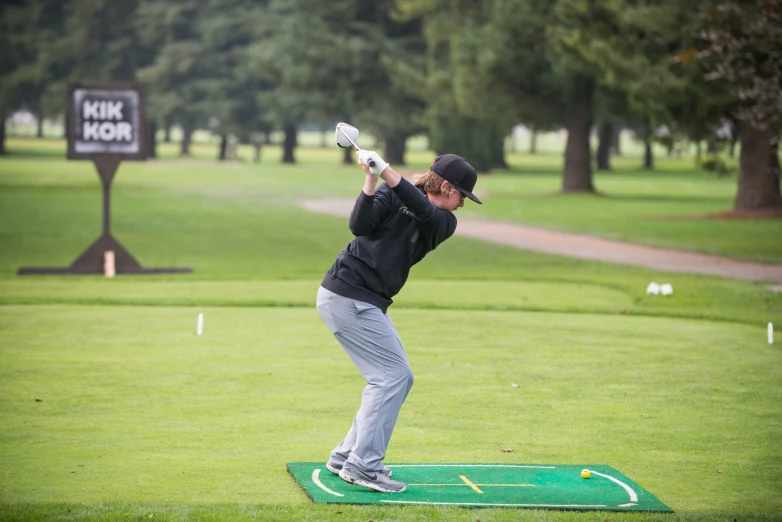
(370, 485)
(335, 470)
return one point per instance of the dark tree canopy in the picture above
(463, 73)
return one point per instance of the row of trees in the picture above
(464, 72)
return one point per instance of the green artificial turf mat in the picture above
(536, 486)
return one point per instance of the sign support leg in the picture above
(105, 122)
(91, 261)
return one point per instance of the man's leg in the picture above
(371, 341)
(343, 449)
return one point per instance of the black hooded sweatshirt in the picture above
(394, 230)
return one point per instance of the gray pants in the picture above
(371, 341)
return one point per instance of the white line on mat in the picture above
(633, 496)
(316, 480)
(466, 466)
(490, 504)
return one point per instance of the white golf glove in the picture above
(367, 156)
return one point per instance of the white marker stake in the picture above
(200, 327)
(770, 333)
(108, 264)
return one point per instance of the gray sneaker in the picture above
(373, 480)
(335, 464)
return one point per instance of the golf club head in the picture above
(346, 135)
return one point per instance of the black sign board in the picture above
(107, 124)
(106, 119)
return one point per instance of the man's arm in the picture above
(391, 177)
(439, 224)
(368, 209)
(370, 183)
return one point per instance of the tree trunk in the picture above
(578, 123)
(187, 139)
(733, 139)
(2, 135)
(533, 140)
(758, 170)
(347, 156)
(604, 137)
(290, 143)
(698, 151)
(257, 151)
(616, 139)
(39, 126)
(497, 145)
(152, 150)
(648, 156)
(394, 152)
(167, 133)
(223, 147)
(711, 143)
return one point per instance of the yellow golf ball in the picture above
(585, 473)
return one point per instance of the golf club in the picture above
(350, 140)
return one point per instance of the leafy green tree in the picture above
(741, 51)
(227, 28)
(462, 116)
(690, 64)
(28, 66)
(198, 77)
(389, 97)
(337, 61)
(637, 61)
(521, 82)
(171, 27)
(295, 55)
(99, 42)
(13, 57)
(537, 57)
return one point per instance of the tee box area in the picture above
(534, 486)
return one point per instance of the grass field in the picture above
(111, 408)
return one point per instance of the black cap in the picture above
(458, 172)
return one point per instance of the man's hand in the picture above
(367, 157)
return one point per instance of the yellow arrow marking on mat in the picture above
(469, 483)
(482, 485)
(473, 486)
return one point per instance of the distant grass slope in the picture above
(667, 207)
(48, 197)
(241, 222)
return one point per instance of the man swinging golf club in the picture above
(395, 226)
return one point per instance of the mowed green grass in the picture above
(671, 206)
(139, 417)
(135, 408)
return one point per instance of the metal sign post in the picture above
(105, 123)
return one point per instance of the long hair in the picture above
(431, 182)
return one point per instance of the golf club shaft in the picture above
(371, 163)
